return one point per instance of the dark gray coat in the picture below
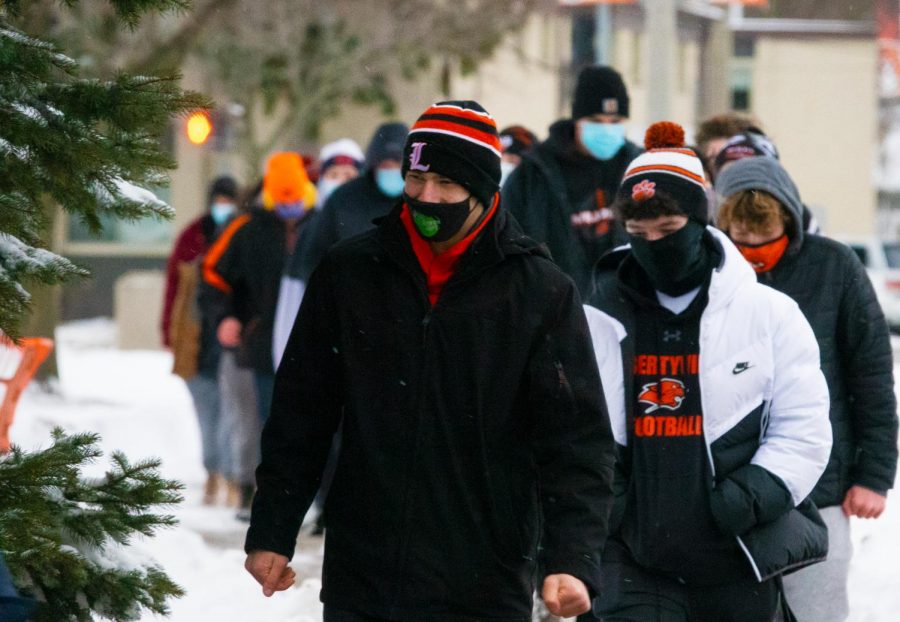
(833, 291)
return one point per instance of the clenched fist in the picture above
(565, 596)
(270, 570)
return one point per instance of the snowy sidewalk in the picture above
(137, 406)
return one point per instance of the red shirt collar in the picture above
(438, 268)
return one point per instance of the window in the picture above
(744, 46)
(892, 254)
(118, 236)
(740, 99)
(741, 82)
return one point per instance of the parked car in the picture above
(882, 261)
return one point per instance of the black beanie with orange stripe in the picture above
(459, 140)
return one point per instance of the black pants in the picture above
(634, 594)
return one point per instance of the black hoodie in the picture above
(559, 195)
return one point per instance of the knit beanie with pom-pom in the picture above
(668, 167)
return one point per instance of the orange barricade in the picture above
(18, 364)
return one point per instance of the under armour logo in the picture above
(415, 157)
(741, 367)
(643, 191)
(671, 335)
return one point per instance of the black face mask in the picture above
(677, 263)
(438, 222)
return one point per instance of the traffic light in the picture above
(199, 127)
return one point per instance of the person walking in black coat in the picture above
(762, 214)
(352, 207)
(476, 445)
(563, 189)
(242, 270)
(349, 211)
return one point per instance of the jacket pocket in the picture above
(794, 540)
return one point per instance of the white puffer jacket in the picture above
(744, 325)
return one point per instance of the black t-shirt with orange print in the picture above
(667, 525)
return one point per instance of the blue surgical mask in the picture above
(602, 140)
(389, 181)
(221, 212)
(325, 188)
(290, 210)
(506, 169)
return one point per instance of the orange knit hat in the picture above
(286, 181)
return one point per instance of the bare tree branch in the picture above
(176, 47)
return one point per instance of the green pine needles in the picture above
(90, 147)
(63, 535)
(86, 145)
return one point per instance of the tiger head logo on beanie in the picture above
(459, 140)
(670, 168)
(286, 186)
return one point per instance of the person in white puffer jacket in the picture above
(717, 404)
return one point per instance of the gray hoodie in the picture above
(766, 174)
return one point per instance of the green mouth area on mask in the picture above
(428, 226)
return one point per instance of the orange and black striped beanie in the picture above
(670, 168)
(459, 140)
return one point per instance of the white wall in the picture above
(519, 84)
(816, 98)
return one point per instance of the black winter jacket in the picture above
(242, 276)
(476, 442)
(348, 212)
(830, 285)
(537, 195)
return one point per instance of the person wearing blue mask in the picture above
(339, 162)
(562, 191)
(195, 350)
(349, 210)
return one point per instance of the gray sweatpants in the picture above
(239, 418)
(819, 593)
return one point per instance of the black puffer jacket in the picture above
(539, 195)
(831, 287)
(472, 430)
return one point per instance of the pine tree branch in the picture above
(61, 534)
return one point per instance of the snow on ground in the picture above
(131, 399)
(137, 406)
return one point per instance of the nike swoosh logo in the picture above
(740, 368)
